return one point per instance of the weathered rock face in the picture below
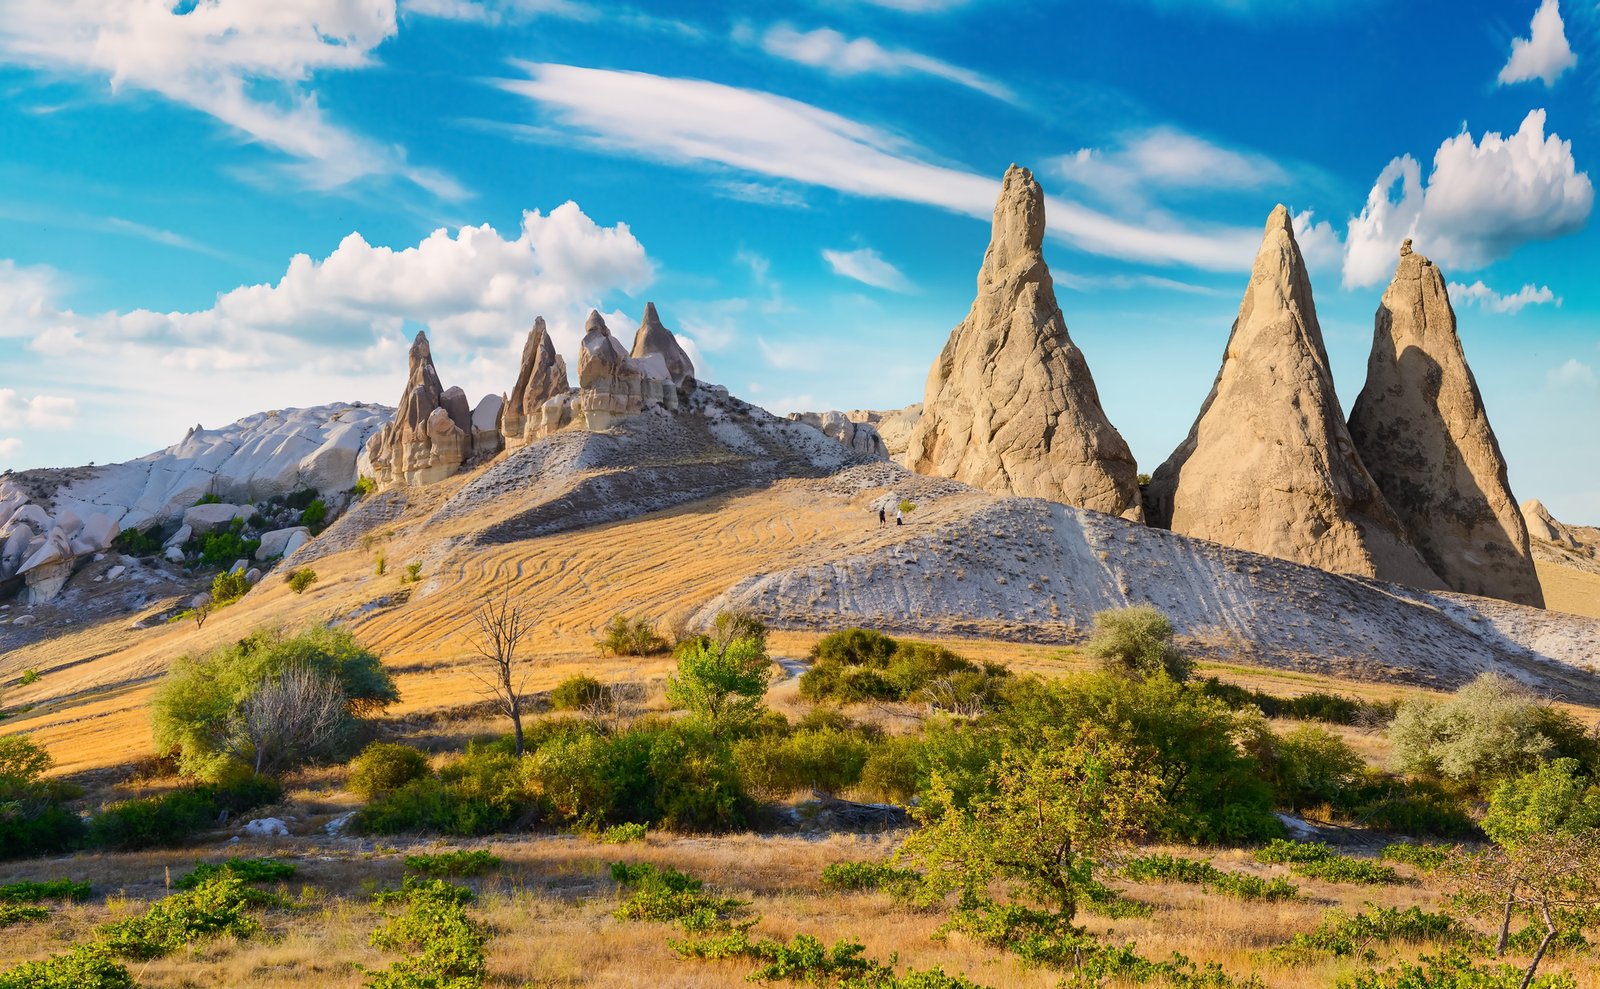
(430, 436)
(487, 418)
(1421, 430)
(1010, 405)
(1269, 465)
(1546, 528)
(653, 338)
(612, 384)
(861, 437)
(542, 377)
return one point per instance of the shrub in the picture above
(209, 498)
(624, 636)
(622, 834)
(1344, 869)
(1413, 807)
(154, 822)
(444, 948)
(55, 889)
(1454, 969)
(139, 542)
(315, 516)
(211, 909)
(198, 706)
(1137, 642)
(300, 579)
(1487, 731)
(666, 895)
(32, 818)
(413, 573)
(721, 687)
(459, 862)
(251, 870)
(20, 913)
(827, 761)
(481, 793)
(364, 486)
(1557, 796)
(227, 588)
(578, 692)
(858, 665)
(384, 767)
(222, 547)
(84, 967)
(1169, 868)
(1312, 766)
(1343, 935)
(902, 884)
(1281, 850)
(1423, 857)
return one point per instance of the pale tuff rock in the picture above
(275, 543)
(202, 519)
(1010, 405)
(612, 384)
(541, 378)
(487, 417)
(894, 428)
(1420, 428)
(430, 436)
(1269, 465)
(860, 437)
(654, 338)
(1553, 541)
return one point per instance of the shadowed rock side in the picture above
(1421, 430)
(539, 402)
(430, 436)
(654, 338)
(1010, 405)
(1269, 465)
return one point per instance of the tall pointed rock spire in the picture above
(541, 377)
(1010, 405)
(1269, 465)
(1421, 429)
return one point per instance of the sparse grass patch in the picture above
(1352, 936)
(459, 862)
(1243, 885)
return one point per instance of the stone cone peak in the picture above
(541, 378)
(1010, 404)
(1421, 429)
(1269, 465)
(430, 436)
(596, 324)
(655, 339)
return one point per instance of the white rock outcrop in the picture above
(276, 542)
(861, 437)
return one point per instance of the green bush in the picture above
(902, 884)
(384, 767)
(227, 588)
(1352, 936)
(315, 516)
(209, 498)
(251, 870)
(622, 834)
(578, 692)
(721, 686)
(1489, 730)
(1137, 641)
(827, 761)
(1423, 857)
(668, 896)
(33, 820)
(1282, 850)
(458, 862)
(215, 907)
(222, 547)
(1316, 860)
(84, 967)
(481, 793)
(1311, 766)
(443, 947)
(859, 665)
(1170, 868)
(21, 913)
(413, 573)
(364, 486)
(139, 542)
(1558, 796)
(196, 707)
(1413, 807)
(624, 636)
(177, 817)
(1454, 969)
(1314, 706)
(301, 579)
(55, 889)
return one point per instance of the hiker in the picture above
(899, 517)
(882, 517)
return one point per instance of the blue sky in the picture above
(217, 207)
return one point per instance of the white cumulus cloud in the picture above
(692, 121)
(1574, 374)
(1484, 297)
(827, 49)
(10, 447)
(1168, 158)
(867, 266)
(38, 412)
(1544, 54)
(1483, 200)
(245, 63)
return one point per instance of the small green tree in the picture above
(1056, 811)
(721, 687)
(302, 579)
(227, 588)
(1137, 642)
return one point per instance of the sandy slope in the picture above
(1569, 589)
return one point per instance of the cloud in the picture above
(791, 356)
(1319, 242)
(867, 266)
(334, 328)
(919, 6)
(1167, 158)
(1573, 375)
(827, 49)
(38, 412)
(245, 64)
(10, 446)
(1488, 299)
(1544, 54)
(495, 12)
(1483, 200)
(689, 121)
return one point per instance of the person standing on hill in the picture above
(882, 517)
(899, 517)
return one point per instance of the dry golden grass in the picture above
(1569, 589)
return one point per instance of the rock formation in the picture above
(430, 436)
(542, 377)
(1010, 405)
(861, 437)
(1551, 540)
(1269, 465)
(653, 338)
(612, 384)
(1420, 428)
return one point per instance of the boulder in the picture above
(860, 437)
(252, 576)
(486, 416)
(541, 377)
(173, 554)
(295, 541)
(1010, 405)
(183, 535)
(202, 519)
(115, 572)
(276, 542)
(654, 339)
(1269, 465)
(430, 436)
(239, 566)
(1420, 428)
(266, 827)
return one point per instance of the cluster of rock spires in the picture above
(433, 435)
(1412, 490)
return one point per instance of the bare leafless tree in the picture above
(501, 628)
(287, 719)
(201, 612)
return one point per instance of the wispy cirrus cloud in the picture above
(1166, 158)
(868, 267)
(694, 122)
(837, 55)
(248, 65)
